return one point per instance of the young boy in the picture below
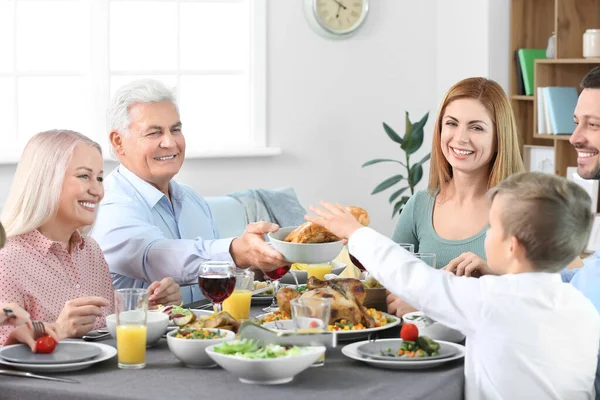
(529, 336)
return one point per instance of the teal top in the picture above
(416, 226)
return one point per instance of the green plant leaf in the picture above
(395, 195)
(409, 126)
(424, 159)
(380, 160)
(387, 183)
(399, 205)
(413, 142)
(392, 134)
(416, 173)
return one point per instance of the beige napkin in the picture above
(350, 271)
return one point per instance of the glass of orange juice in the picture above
(238, 304)
(131, 307)
(311, 314)
(318, 270)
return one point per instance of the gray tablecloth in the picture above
(165, 378)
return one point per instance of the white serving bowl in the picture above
(270, 371)
(434, 330)
(157, 323)
(191, 352)
(304, 253)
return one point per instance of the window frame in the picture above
(98, 76)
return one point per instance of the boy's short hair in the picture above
(549, 215)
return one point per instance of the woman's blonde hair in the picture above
(35, 192)
(507, 160)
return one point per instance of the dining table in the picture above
(164, 377)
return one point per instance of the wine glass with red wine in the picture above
(274, 276)
(217, 281)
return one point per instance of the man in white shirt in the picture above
(529, 336)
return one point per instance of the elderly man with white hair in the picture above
(149, 226)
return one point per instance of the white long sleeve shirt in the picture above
(529, 336)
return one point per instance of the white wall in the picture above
(327, 99)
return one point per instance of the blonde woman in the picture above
(475, 147)
(12, 314)
(47, 266)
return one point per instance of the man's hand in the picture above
(250, 249)
(336, 219)
(165, 292)
(24, 334)
(78, 316)
(468, 264)
(397, 306)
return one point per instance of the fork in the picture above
(38, 329)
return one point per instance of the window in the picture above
(61, 60)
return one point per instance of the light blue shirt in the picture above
(587, 280)
(145, 237)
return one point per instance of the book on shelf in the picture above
(520, 86)
(560, 105)
(526, 60)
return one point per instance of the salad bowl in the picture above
(192, 352)
(268, 365)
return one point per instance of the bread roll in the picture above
(312, 233)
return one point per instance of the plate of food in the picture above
(351, 351)
(349, 318)
(264, 297)
(424, 348)
(188, 318)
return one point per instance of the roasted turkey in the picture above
(312, 233)
(346, 297)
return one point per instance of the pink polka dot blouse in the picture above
(40, 275)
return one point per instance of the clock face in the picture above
(340, 16)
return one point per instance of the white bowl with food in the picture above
(305, 253)
(189, 345)
(432, 329)
(270, 365)
(156, 323)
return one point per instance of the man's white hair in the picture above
(136, 92)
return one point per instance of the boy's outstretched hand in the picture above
(335, 218)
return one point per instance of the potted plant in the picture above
(412, 173)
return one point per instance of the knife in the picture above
(30, 375)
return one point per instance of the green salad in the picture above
(250, 349)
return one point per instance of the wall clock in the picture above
(336, 19)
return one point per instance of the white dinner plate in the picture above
(107, 353)
(351, 352)
(342, 336)
(65, 353)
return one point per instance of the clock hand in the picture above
(338, 10)
(340, 5)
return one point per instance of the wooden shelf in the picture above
(569, 61)
(521, 97)
(531, 24)
(551, 137)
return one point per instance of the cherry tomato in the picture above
(45, 345)
(313, 324)
(409, 332)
